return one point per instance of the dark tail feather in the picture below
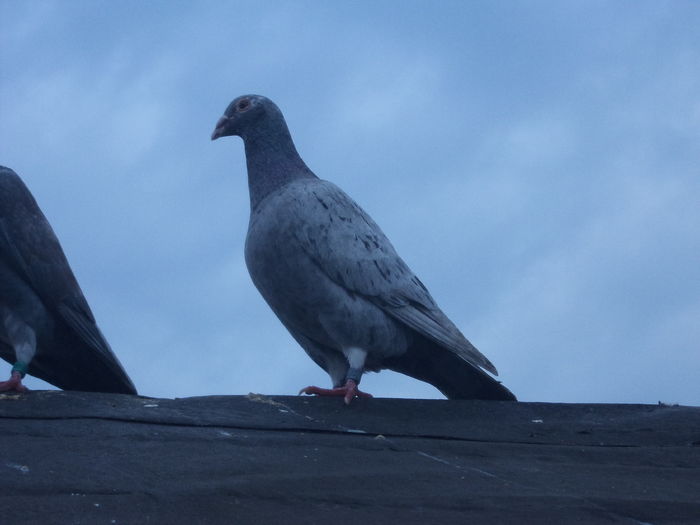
(449, 373)
(74, 365)
(72, 371)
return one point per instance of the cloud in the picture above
(538, 173)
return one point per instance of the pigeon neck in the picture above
(272, 161)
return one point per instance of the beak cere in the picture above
(220, 128)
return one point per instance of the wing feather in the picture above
(30, 247)
(351, 249)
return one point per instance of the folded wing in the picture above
(29, 246)
(350, 248)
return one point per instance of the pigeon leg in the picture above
(349, 391)
(356, 358)
(14, 383)
(23, 339)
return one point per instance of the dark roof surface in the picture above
(75, 457)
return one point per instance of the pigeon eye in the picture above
(243, 105)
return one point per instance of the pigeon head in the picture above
(271, 157)
(245, 114)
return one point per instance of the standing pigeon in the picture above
(334, 279)
(46, 326)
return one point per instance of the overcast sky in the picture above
(537, 164)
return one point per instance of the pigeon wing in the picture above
(30, 247)
(351, 249)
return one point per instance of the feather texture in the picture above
(40, 288)
(331, 275)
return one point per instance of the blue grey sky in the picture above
(536, 163)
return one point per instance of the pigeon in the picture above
(333, 278)
(46, 326)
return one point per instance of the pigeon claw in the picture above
(14, 383)
(348, 391)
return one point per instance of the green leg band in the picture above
(21, 368)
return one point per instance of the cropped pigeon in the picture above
(46, 326)
(333, 278)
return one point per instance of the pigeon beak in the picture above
(220, 129)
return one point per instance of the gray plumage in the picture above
(45, 320)
(331, 275)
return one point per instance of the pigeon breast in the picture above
(308, 250)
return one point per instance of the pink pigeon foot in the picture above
(14, 383)
(349, 391)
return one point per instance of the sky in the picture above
(537, 165)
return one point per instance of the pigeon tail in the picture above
(79, 367)
(446, 371)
